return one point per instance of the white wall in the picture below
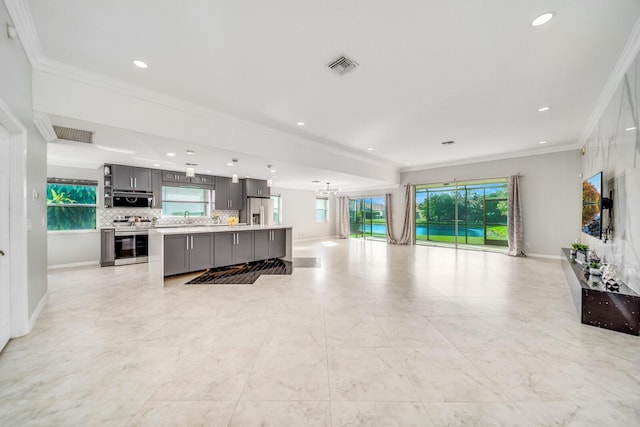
(551, 194)
(299, 211)
(72, 247)
(15, 91)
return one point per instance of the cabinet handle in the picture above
(131, 182)
(191, 242)
(187, 242)
(135, 182)
(237, 238)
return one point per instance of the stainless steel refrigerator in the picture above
(260, 211)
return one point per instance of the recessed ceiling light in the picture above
(631, 128)
(542, 142)
(370, 149)
(140, 64)
(543, 109)
(230, 164)
(191, 152)
(300, 123)
(315, 181)
(171, 154)
(156, 165)
(542, 19)
(273, 171)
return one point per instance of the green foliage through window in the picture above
(71, 206)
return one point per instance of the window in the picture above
(470, 213)
(277, 208)
(177, 201)
(322, 209)
(71, 204)
(367, 217)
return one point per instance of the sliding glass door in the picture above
(367, 218)
(466, 213)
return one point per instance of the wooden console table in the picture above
(615, 310)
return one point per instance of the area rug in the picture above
(247, 273)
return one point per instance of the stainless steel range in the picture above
(131, 242)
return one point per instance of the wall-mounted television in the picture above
(592, 206)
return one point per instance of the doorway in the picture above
(470, 214)
(367, 218)
(5, 282)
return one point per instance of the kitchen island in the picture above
(179, 250)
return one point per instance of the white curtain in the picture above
(405, 237)
(389, 215)
(343, 217)
(515, 225)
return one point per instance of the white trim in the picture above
(38, 310)
(18, 220)
(21, 16)
(44, 126)
(74, 264)
(629, 53)
(503, 156)
(543, 256)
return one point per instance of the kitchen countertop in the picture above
(186, 229)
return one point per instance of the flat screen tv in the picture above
(592, 206)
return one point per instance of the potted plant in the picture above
(581, 252)
(594, 268)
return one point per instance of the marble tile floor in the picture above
(379, 335)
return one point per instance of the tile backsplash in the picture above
(108, 215)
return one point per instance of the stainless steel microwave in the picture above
(132, 200)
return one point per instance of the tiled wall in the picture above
(108, 215)
(614, 149)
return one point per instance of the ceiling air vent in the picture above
(343, 65)
(71, 134)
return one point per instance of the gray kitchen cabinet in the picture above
(107, 247)
(184, 253)
(202, 181)
(206, 180)
(156, 184)
(269, 244)
(233, 248)
(172, 176)
(131, 178)
(256, 188)
(228, 194)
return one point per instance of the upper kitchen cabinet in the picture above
(172, 178)
(131, 178)
(256, 188)
(228, 194)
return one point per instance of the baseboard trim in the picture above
(36, 313)
(74, 264)
(544, 256)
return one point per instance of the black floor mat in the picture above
(242, 274)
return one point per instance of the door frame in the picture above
(17, 150)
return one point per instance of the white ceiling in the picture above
(430, 71)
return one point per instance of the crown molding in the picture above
(482, 159)
(629, 53)
(44, 126)
(21, 17)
